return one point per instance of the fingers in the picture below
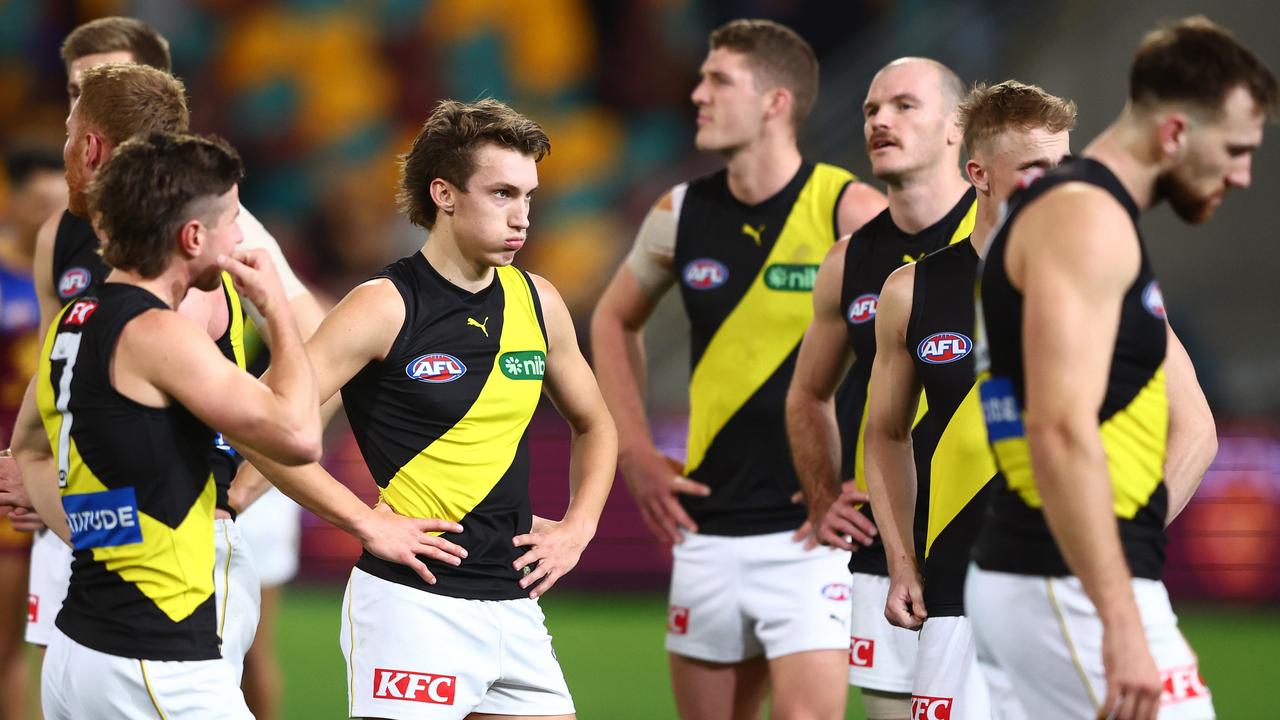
(918, 610)
(666, 532)
(434, 525)
(853, 523)
(805, 530)
(438, 548)
(539, 581)
(829, 536)
(685, 486)
(421, 568)
(896, 612)
(528, 558)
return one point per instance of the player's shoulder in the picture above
(877, 226)
(900, 285)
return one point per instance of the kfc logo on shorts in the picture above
(73, 282)
(863, 308)
(837, 591)
(33, 608)
(862, 652)
(418, 687)
(1182, 683)
(678, 620)
(930, 708)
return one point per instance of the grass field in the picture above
(611, 649)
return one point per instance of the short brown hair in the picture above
(149, 188)
(990, 110)
(112, 34)
(778, 57)
(121, 100)
(446, 146)
(1197, 61)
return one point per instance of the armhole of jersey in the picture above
(54, 254)
(537, 306)
(235, 320)
(917, 304)
(835, 211)
(410, 313)
(678, 194)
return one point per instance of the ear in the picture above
(1171, 133)
(191, 238)
(780, 102)
(443, 194)
(96, 150)
(978, 176)
(955, 135)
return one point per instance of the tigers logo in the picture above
(73, 282)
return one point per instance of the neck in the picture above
(922, 200)
(442, 252)
(984, 222)
(170, 286)
(760, 171)
(1127, 151)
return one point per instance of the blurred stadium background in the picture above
(320, 96)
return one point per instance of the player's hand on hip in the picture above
(256, 278)
(406, 540)
(904, 606)
(25, 520)
(654, 481)
(554, 549)
(12, 492)
(842, 525)
(1133, 681)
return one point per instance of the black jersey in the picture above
(1133, 421)
(874, 252)
(78, 266)
(137, 489)
(955, 465)
(746, 279)
(442, 421)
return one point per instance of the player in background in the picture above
(113, 438)
(35, 189)
(753, 608)
(1065, 596)
(913, 142)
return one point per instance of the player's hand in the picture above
(246, 487)
(405, 540)
(654, 480)
(554, 550)
(12, 493)
(1133, 682)
(805, 532)
(905, 605)
(256, 278)
(842, 525)
(24, 520)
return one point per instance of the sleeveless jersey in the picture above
(1133, 421)
(442, 421)
(19, 322)
(874, 252)
(137, 489)
(746, 280)
(77, 266)
(956, 467)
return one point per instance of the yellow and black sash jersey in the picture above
(442, 421)
(955, 466)
(874, 252)
(746, 278)
(1133, 421)
(78, 266)
(137, 489)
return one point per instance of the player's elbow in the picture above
(1057, 438)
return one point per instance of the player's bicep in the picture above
(42, 272)
(569, 382)
(361, 329)
(895, 387)
(825, 356)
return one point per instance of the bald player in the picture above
(913, 141)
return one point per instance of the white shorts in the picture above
(239, 597)
(78, 683)
(272, 525)
(47, 581)
(733, 598)
(1045, 635)
(412, 655)
(882, 656)
(948, 682)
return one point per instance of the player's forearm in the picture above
(891, 483)
(622, 380)
(39, 474)
(592, 464)
(312, 487)
(1072, 478)
(1193, 436)
(815, 448)
(293, 385)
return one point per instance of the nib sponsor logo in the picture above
(930, 708)
(1182, 683)
(862, 652)
(417, 687)
(678, 620)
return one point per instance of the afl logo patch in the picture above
(705, 274)
(837, 591)
(863, 308)
(435, 368)
(944, 347)
(1153, 299)
(73, 282)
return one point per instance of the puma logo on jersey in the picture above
(471, 322)
(753, 233)
(907, 259)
